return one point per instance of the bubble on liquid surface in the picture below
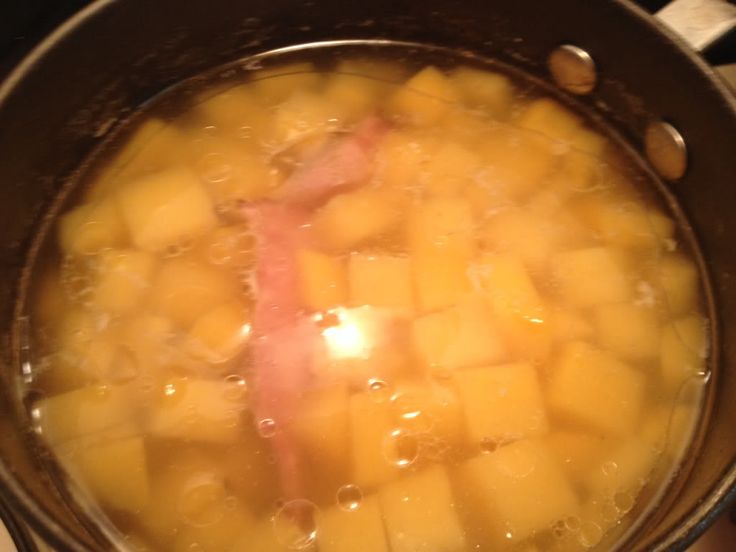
(266, 428)
(295, 525)
(624, 501)
(235, 387)
(349, 497)
(609, 468)
(410, 413)
(401, 448)
(203, 501)
(572, 523)
(379, 390)
(589, 534)
(214, 167)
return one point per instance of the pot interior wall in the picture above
(60, 104)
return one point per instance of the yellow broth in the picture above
(508, 342)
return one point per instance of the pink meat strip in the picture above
(340, 164)
(284, 340)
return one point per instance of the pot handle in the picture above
(699, 22)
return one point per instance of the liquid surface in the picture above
(372, 309)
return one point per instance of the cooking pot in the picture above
(91, 74)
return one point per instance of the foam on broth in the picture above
(375, 307)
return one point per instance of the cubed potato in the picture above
(419, 514)
(517, 162)
(183, 290)
(532, 236)
(501, 403)
(355, 95)
(440, 224)
(350, 219)
(321, 425)
(592, 388)
(92, 227)
(124, 276)
(592, 276)
(165, 208)
(628, 331)
(676, 280)
(568, 324)
(221, 333)
(517, 307)
(359, 530)
(154, 145)
(305, 114)
(526, 471)
(323, 281)
(550, 119)
(275, 84)
(577, 451)
(625, 469)
(626, 223)
(465, 335)
(440, 277)
(402, 157)
(232, 172)
(371, 425)
(380, 281)
(450, 169)
(220, 524)
(196, 410)
(429, 408)
(493, 92)
(424, 98)
(116, 473)
(84, 412)
(235, 111)
(683, 350)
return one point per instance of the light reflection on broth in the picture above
(368, 309)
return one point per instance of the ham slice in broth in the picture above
(285, 340)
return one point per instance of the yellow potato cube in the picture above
(676, 280)
(465, 335)
(596, 390)
(323, 281)
(183, 290)
(359, 530)
(424, 98)
(117, 474)
(305, 114)
(517, 307)
(517, 162)
(380, 281)
(526, 471)
(450, 169)
(124, 276)
(628, 331)
(197, 410)
(532, 234)
(577, 452)
(440, 224)
(549, 118)
(232, 173)
(235, 111)
(92, 227)
(355, 95)
(626, 223)
(401, 159)
(371, 427)
(321, 425)
(350, 219)
(429, 408)
(567, 324)
(683, 351)
(231, 246)
(275, 84)
(419, 515)
(440, 278)
(625, 469)
(165, 208)
(501, 403)
(221, 333)
(592, 276)
(84, 412)
(493, 92)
